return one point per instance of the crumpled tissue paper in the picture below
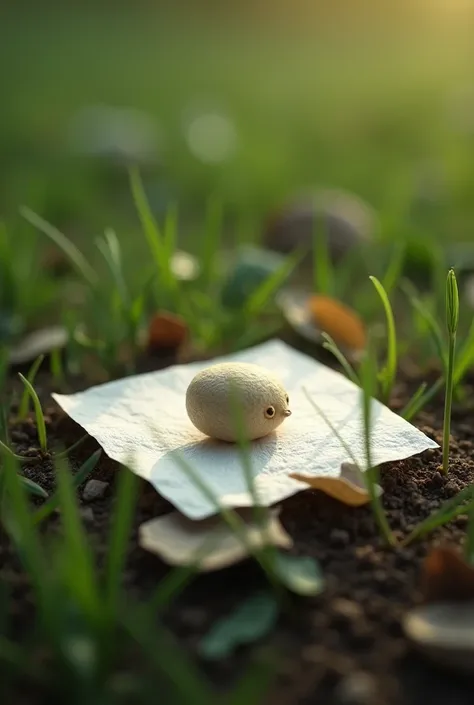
(144, 418)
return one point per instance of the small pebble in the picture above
(358, 688)
(347, 609)
(94, 489)
(339, 537)
(87, 515)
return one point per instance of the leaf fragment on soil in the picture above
(349, 488)
(251, 620)
(446, 576)
(209, 543)
(444, 631)
(300, 574)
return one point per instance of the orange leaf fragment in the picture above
(166, 330)
(446, 576)
(340, 322)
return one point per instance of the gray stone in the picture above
(94, 489)
(345, 220)
(87, 515)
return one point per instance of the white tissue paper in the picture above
(144, 418)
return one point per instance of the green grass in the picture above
(292, 100)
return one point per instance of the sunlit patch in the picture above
(211, 137)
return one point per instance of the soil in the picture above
(344, 647)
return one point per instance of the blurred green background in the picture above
(251, 102)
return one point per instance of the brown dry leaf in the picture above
(342, 323)
(181, 541)
(446, 576)
(166, 330)
(348, 488)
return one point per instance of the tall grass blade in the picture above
(462, 503)
(262, 295)
(40, 423)
(25, 397)
(75, 557)
(395, 267)
(331, 345)
(429, 319)
(76, 257)
(452, 320)
(119, 537)
(390, 370)
(411, 407)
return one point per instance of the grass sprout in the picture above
(331, 345)
(388, 373)
(452, 320)
(370, 478)
(40, 422)
(462, 503)
(23, 407)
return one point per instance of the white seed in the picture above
(222, 395)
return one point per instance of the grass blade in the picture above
(431, 323)
(390, 370)
(119, 536)
(76, 257)
(462, 503)
(18, 522)
(323, 271)
(331, 345)
(371, 474)
(53, 503)
(408, 410)
(40, 423)
(17, 458)
(452, 320)
(25, 397)
(469, 541)
(33, 488)
(76, 561)
(261, 296)
(210, 244)
(395, 267)
(250, 621)
(152, 233)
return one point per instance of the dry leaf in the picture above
(348, 488)
(180, 541)
(446, 576)
(339, 321)
(40, 342)
(166, 330)
(444, 631)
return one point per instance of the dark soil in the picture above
(345, 647)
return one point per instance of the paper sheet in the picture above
(144, 417)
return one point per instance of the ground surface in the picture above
(345, 647)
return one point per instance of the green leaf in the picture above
(250, 621)
(462, 503)
(40, 423)
(33, 488)
(300, 574)
(70, 250)
(84, 471)
(25, 397)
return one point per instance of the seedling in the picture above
(388, 373)
(452, 320)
